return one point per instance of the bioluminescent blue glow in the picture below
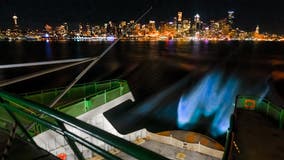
(213, 97)
(226, 98)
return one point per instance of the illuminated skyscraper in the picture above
(231, 17)
(88, 30)
(179, 22)
(180, 17)
(66, 27)
(175, 23)
(80, 29)
(48, 28)
(60, 31)
(257, 30)
(152, 26)
(15, 19)
(186, 26)
(197, 22)
(197, 18)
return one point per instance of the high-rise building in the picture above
(179, 22)
(80, 29)
(257, 30)
(152, 26)
(186, 25)
(48, 28)
(175, 23)
(15, 19)
(197, 18)
(180, 17)
(60, 31)
(231, 17)
(66, 27)
(88, 30)
(197, 22)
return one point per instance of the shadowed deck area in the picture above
(258, 137)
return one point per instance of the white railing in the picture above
(196, 147)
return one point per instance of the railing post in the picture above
(87, 104)
(120, 89)
(105, 96)
(267, 107)
(281, 119)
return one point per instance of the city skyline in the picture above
(179, 28)
(35, 14)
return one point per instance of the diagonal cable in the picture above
(40, 73)
(95, 61)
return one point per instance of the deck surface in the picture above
(258, 137)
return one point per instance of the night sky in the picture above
(268, 14)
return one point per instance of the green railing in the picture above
(77, 93)
(263, 106)
(18, 107)
(80, 99)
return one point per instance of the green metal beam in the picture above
(80, 99)
(59, 130)
(123, 145)
(20, 126)
(71, 143)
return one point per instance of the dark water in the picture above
(177, 85)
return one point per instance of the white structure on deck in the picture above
(56, 144)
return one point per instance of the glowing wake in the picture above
(212, 97)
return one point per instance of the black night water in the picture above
(177, 85)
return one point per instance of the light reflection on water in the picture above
(48, 50)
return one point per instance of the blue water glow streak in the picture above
(221, 121)
(196, 103)
(212, 97)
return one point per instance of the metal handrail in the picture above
(87, 100)
(78, 85)
(91, 95)
(119, 143)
